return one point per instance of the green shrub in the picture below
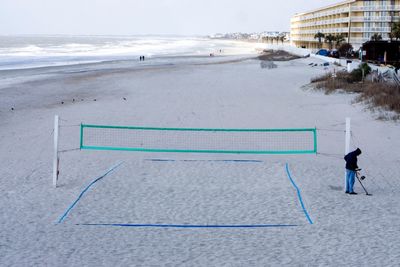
(357, 74)
(382, 95)
(345, 49)
(366, 68)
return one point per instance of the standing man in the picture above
(351, 168)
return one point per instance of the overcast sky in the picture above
(128, 17)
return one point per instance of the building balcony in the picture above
(303, 39)
(308, 39)
(324, 31)
(371, 29)
(318, 14)
(376, 8)
(336, 11)
(375, 19)
(358, 40)
(321, 23)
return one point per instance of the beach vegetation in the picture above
(282, 38)
(330, 38)
(319, 36)
(339, 39)
(345, 50)
(276, 55)
(377, 95)
(358, 74)
(376, 37)
(395, 31)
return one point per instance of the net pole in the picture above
(348, 135)
(347, 142)
(55, 158)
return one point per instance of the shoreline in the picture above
(9, 78)
(56, 51)
(27, 83)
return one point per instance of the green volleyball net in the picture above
(199, 140)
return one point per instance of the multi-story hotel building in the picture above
(355, 20)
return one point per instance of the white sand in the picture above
(347, 230)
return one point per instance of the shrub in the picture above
(366, 68)
(358, 74)
(381, 95)
(345, 49)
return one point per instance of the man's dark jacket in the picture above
(351, 160)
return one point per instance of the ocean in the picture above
(24, 52)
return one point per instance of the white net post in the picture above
(347, 142)
(55, 159)
(348, 135)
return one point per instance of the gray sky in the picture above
(185, 17)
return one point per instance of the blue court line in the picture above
(298, 194)
(194, 160)
(62, 218)
(188, 225)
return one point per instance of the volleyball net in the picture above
(199, 140)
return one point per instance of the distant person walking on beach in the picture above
(351, 168)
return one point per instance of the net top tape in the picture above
(199, 140)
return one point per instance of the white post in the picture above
(55, 159)
(348, 135)
(349, 66)
(347, 144)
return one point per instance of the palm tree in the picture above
(329, 39)
(376, 37)
(395, 33)
(390, 36)
(339, 39)
(319, 36)
(282, 38)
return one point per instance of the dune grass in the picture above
(384, 96)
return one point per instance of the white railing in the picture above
(378, 19)
(361, 40)
(345, 20)
(376, 8)
(336, 11)
(322, 22)
(310, 39)
(318, 14)
(328, 30)
(358, 40)
(306, 39)
(335, 30)
(371, 29)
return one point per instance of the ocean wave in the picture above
(49, 51)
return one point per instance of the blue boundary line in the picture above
(188, 225)
(298, 194)
(62, 218)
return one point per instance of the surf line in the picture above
(187, 225)
(64, 216)
(298, 194)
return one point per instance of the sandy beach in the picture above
(203, 92)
